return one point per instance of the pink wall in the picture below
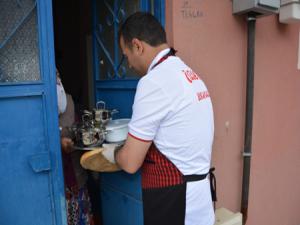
(214, 43)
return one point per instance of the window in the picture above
(109, 15)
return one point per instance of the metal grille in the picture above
(110, 15)
(19, 48)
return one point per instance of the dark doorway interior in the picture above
(72, 27)
(72, 34)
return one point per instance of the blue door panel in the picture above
(116, 99)
(21, 117)
(31, 181)
(117, 95)
(126, 210)
(23, 137)
(124, 182)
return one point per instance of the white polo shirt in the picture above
(172, 108)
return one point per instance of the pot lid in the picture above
(117, 124)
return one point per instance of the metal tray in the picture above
(87, 148)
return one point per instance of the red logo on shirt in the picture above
(190, 75)
(202, 95)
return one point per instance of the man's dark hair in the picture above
(143, 26)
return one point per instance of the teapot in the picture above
(102, 115)
(86, 134)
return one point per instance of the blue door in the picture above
(115, 83)
(31, 180)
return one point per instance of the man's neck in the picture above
(158, 49)
(153, 52)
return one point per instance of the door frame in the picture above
(48, 71)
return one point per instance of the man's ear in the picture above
(137, 46)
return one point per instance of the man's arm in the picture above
(131, 156)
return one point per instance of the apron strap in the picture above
(194, 177)
(172, 52)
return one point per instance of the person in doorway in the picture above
(75, 177)
(171, 130)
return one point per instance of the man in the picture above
(171, 131)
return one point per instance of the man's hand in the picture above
(66, 144)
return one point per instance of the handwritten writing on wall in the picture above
(187, 11)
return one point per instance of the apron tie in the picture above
(212, 181)
(213, 185)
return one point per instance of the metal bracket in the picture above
(40, 162)
(247, 154)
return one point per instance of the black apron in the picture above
(164, 186)
(164, 189)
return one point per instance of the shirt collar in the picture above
(158, 57)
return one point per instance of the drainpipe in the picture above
(251, 19)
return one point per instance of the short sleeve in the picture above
(151, 106)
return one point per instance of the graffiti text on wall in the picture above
(189, 12)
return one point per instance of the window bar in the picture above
(106, 52)
(111, 11)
